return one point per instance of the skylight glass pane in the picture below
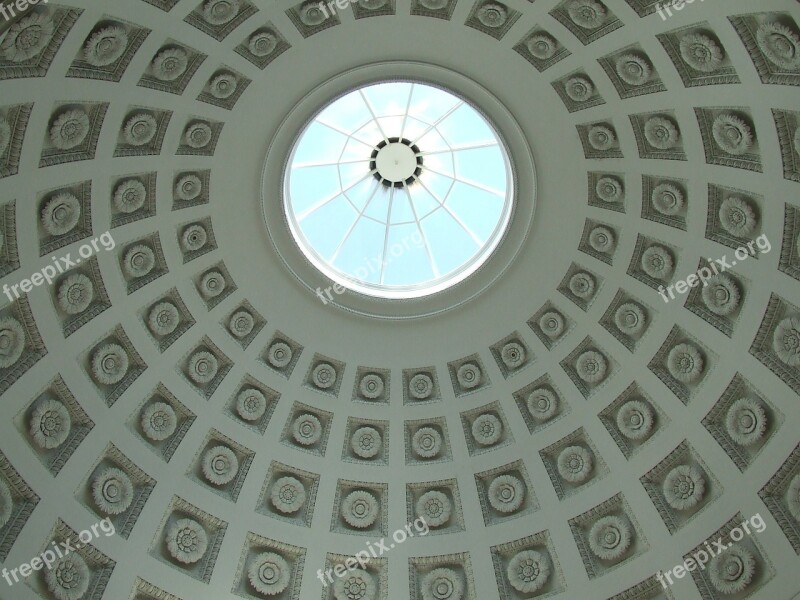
(413, 200)
(388, 99)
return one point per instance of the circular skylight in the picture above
(398, 190)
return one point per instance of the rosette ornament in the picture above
(426, 442)
(684, 487)
(50, 424)
(528, 571)
(685, 363)
(732, 570)
(737, 216)
(668, 199)
(366, 442)
(360, 509)
(579, 88)
(139, 261)
(61, 214)
(582, 285)
(601, 138)
(513, 355)
(324, 376)
(780, 45)
(306, 429)
(434, 507)
(188, 187)
(575, 464)
(610, 189)
(721, 295)
(202, 367)
(506, 494)
(288, 495)
(487, 429)
(732, 134)
(12, 341)
(786, 341)
(105, 46)
(112, 491)
(541, 45)
(68, 578)
(262, 43)
(163, 318)
(219, 12)
(442, 584)
(469, 376)
(610, 537)
(542, 403)
(746, 421)
(69, 129)
(198, 135)
(371, 386)
(493, 15)
(223, 86)
(75, 294)
(129, 196)
(187, 541)
(601, 239)
(269, 573)
(630, 318)
(242, 323)
(701, 53)
(110, 364)
(140, 129)
(170, 64)
(633, 69)
(251, 404)
(212, 284)
(357, 584)
(194, 237)
(220, 465)
(661, 133)
(591, 367)
(279, 354)
(26, 38)
(310, 14)
(635, 420)
(657, 262)
(588, 14)
(158, 421)
(552, 324)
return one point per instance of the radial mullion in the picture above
(439, 120)
(374, 116)
(322, 203)
(353, 226)
(386, 234)
(431, 260)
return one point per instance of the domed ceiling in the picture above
(193, 410)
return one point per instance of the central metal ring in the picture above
(396, 162)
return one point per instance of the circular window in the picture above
(398, 190)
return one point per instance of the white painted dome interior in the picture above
(550, 384)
